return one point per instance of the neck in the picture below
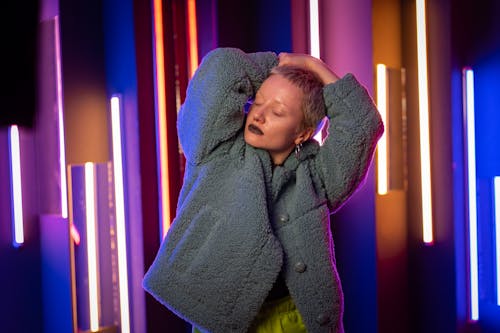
(280, 158)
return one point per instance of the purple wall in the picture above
(346, 45)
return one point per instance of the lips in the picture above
(255, 130)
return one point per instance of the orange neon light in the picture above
(193, 37)
(161, 117)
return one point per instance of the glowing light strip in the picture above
(161, 119)
(496, 183)
(314, 28)
(60, 122)
(423, 102)
(16, 187)
(471, 182)
(314, 45)
(75, 234)
(382, 178)
(193, 37)
(120, 214)
(91, 246)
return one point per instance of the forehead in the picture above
(279, 89)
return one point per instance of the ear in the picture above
(304, 135)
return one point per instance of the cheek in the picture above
(285, 132)
(289, 125)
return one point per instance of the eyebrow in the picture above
(274, 100)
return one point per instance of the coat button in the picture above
(283, 218)
(323, 319)
(300, 267)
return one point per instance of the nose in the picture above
(258, 114)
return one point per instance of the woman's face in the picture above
(274, 122)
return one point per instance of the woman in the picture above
(250, 246)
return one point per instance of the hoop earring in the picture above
(297, 150)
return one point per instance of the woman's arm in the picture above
(315, 65)
(354, 128)
(213, 110)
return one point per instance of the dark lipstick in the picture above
(254, 129)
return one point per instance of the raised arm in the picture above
(213, 110)
(315, 65)
(354, 129)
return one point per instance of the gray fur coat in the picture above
(240, 221)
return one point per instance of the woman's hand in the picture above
(310, 63)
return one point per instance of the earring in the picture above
(297, 150)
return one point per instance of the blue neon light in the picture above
(472, 199)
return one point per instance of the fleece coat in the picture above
(240, 221)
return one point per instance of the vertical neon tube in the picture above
(314, 50)
(496, 185)
(60, 122)
(91, 246)
(193, 37)
(471, 192)
(161, 119)
(16, 187)
(120, 214)
(314, 47)
(382, 147)
(423, 103)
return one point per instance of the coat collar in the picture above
(277, 177)
(309, 149)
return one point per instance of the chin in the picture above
(252, 140)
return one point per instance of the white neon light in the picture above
(60, 122)
(496, 183)
(314, 28)
(472, 203)
(16, 186)
(423, 102)
(75, 235)
(314, 49)
(382, 147)
(120, 214)
(91, 246)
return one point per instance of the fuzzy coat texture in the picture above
(240, 221)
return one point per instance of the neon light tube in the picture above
(16, 187)
(75, 235)
(161, 120)
(471, 192)
(423, 102)
(120, 214)
(193, 37)
(314, 28)
(60, 122)
(91, 246)
(314, 50)
(496, 182)
(322, 131)
(382, 177)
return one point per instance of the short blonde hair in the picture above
(313, 104)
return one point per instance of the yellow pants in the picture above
(279, 316)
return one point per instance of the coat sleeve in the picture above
(354, 129)
(213, 110)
